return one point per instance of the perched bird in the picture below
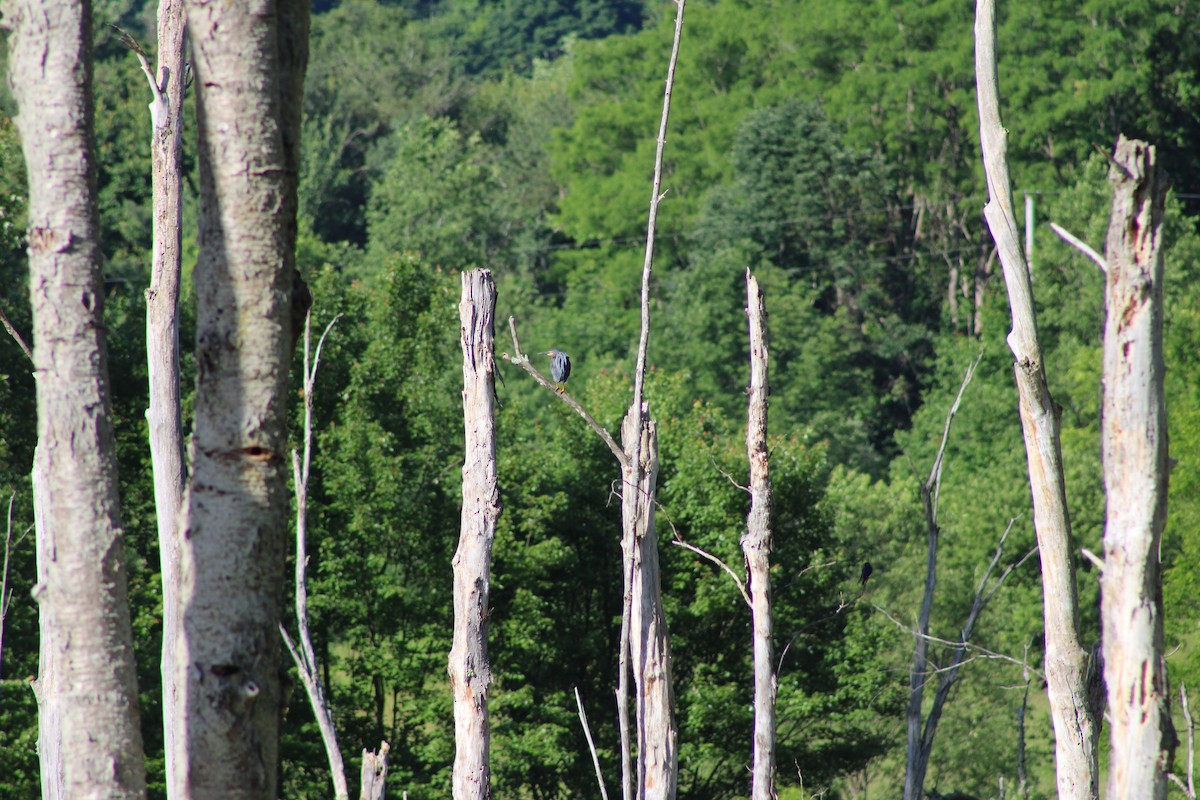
(866, 572)
(560, 368)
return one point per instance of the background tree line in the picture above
(834, 150)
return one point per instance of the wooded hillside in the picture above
(833, 149)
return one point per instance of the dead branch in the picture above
(1080, 245)
(521, 360)
(587, 732)
(12, 331)
(741, 585)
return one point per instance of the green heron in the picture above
(560, 368)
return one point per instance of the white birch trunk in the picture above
(650, 651)
(249, 70)
(164, 414)
(1134, 442)
(1066, 659)
(89, 736)
(470, 672)
(756, 548)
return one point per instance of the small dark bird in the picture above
(866, 572)
(560, 368)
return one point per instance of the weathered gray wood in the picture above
(470, 672)
(1134, 446)
(756, 548)
(89, 734)
(303, 653)
(1066, 658)
(374, 774)
(248, 60)
(650, 651)
(164, 415)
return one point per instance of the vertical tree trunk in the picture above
(470, 672)
(89, 735)
(650, 651)
(302, 651)
(162, 348)
(756, 548)
(373, 781)
(249, 70)
(916, 758)
(1066, 659)
(1134, 442)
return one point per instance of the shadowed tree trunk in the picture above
(1134, 441)
(89, 737)
(249, 61)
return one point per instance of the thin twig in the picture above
(741, 586)
(587, 732)
(1080, 245)
(5, 597)
(934, 482)
(12, 331)
(521, 360)
(983, 651)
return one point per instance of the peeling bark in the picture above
(1134, 444)
(650, 650)
(756, 548)
(470, 672)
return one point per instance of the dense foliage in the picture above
(832, 148)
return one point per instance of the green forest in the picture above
(832, 148)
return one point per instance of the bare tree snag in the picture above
(374, 774)
(304, 654)
(638, 514)
(164, 414)
(470, 672)
(89, 734)
(1134, 446)
(249, 69)
(756, 547)
(650, 651)
(1066, 659)
(917, 757)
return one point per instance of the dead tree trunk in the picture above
(470, 672)
(89, 735)
(374, 774)
(1134, 442)
(650, 651)
(164, 414)
(249, 64)
(1066, 659)
(756, 548)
